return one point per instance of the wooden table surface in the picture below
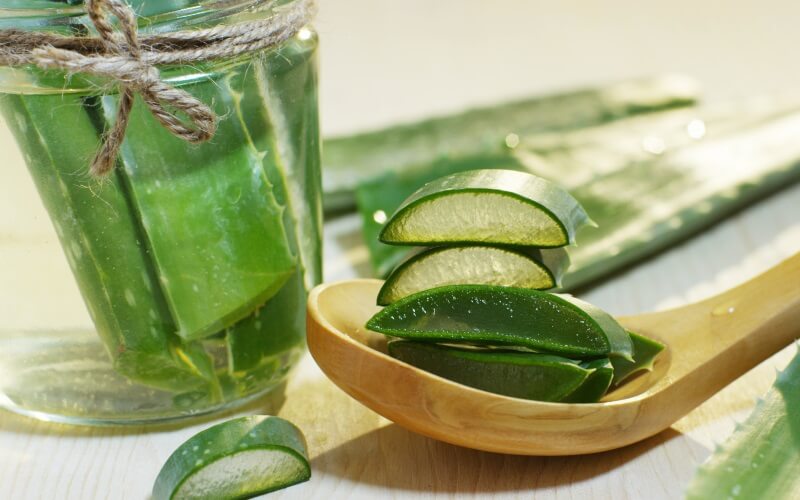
(355, 453)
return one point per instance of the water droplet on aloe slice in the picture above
(475, 265)
(487, 206)
(540, 377)
(496, 315)
(240, 458)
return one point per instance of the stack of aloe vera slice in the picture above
(471, 308)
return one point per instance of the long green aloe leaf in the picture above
(113, 272)
(762, 457)
(643, 197)
(411, 149)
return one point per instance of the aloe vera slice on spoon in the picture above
(498, 315)
(475, 265)
(645, 351)
(504, 207)
(595, 385)
(541, 377)
(240, 458)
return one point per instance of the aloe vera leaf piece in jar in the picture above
(540, 269)
(595, 385)
(214, 229)
(411, 149)
(287, 78)
(540, 377)
(103, 242)
(502, 207)
(293, 172)
(499, 315)
(762, 457)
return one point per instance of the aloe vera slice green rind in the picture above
(595, 385)
(762, 457)
(475, 265)
(410, 150)
(645, 351)
(240, 458)
(497, 315)
(57, 136)
(541, 377)
(504, 207)
(214, 229)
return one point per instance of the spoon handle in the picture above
(762, 315)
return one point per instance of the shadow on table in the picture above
(392, 457)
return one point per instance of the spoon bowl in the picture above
(709, 344)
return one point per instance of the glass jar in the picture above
(193, 260)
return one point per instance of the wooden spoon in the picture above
(709, 344)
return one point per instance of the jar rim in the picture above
(153, 15)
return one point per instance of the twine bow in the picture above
(131, 61)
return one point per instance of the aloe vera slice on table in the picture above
(541, 377)
(411, 149)
(114, 273)
(497, 315)
(762, 457)
(214, 228)
(240, 458)
(595, 385)
(503, 207)
(475, 265)
(645, 351)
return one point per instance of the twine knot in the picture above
(120, 55)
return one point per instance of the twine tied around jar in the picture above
(131, 61)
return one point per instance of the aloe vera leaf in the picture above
(103, 243)
(475, 265)
(498, 315)
(505, 207)
(360, 158)
(279, 325)
(644, 202)
(647, 206)
(595, 385)
(289, 87)
(762, 457)
(645, 351)
(541, 377)
(272, 330)
(214, 229)
(240, 458)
